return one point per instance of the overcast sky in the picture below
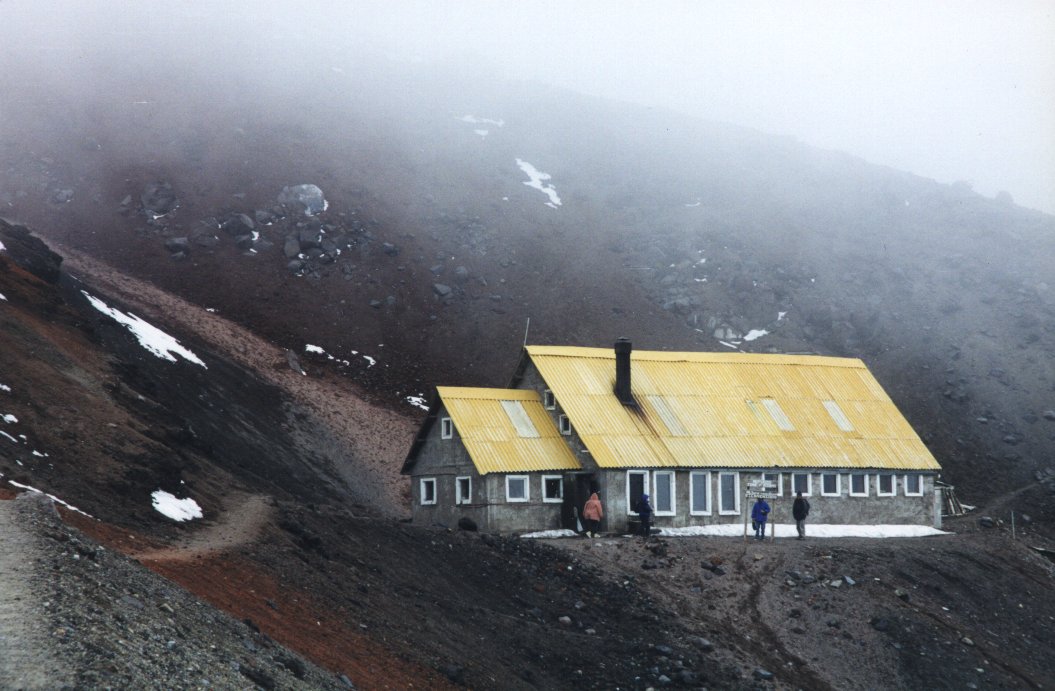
(948, 90)
(960, 90)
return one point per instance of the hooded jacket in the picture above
(593, 511)
(760, 511)
(644, 509)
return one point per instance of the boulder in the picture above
(237, 224)
(441, 289)
(177, 245)
(307, 197)
(158, 199)
(291, 248)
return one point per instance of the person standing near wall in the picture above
(644, 510)
(592, 513)
(759, 514)
(799, 510)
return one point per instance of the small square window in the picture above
(549, 401)
(913, 486)
(552, 488)
(517, 488)
(428, 490)
(801, 482)
(830, 485)
(885, 485)
(858, 485)
(564, 424)
(463, 492)
(446, 428)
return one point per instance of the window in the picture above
(700, 494)
(773, 482)
(636, 482)
(913, 486)
(565, 425)
(549, 401)
(885, 485)
(552, 488)
(800, 482)
(858, 485)
(663, 496)
(463, 490)
(729, 493)
(446, 428)
(517, 488)
(830, 485)
(428, 490)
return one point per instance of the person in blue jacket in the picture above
(759, 514)
(644, 510)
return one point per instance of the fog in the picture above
(960, 91)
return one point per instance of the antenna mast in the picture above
(526, 327)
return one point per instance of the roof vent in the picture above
(622, 372)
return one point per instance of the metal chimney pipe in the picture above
(622, 372)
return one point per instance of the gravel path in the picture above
(27, 658)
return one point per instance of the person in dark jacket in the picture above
(644, 510)
(759, 514)
(799, 510)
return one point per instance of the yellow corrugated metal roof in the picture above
(728, 409)
(492, 437)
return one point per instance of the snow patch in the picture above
(481, 121)
(3, 297)
(150, 337)
(691, 206)
(8, 418)
(176, 509)
(564, 532)
(755, 333)
(5, 387)
(482, 133)
(781, 315)
(370, 362)
(52, 497)
(812, 530)
(418, 401)
(537, 182)
(2, 248)
(5, 434)
(314, 349)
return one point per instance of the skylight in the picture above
(659, 404)
(775, 412)
(839, 416)
(520, 420)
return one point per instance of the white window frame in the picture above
(780, 482)
(695, 477)
(654, 496)
(838, 485)
(919, 480)
(421, 490)
(553, 500)
(893, 485)
(858, 494)
(629, 499)
(446, 428)
(735, 511)
(809, 485)
(527, 488)
(549, 401)
(564, 425)
(458, 498)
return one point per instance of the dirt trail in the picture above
(239, 525)
(27, 658)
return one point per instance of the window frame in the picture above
(460, 500)
(527, 489)
(780, 482)
(735, 511)
(564, 425)
(645, 484)
(673, 510)
(421, 491)
(859, 494)
(809, 485)
(838, 485)
(549, 401)
(446, 428)
(893, 485)
(706, 479)
(919, 481)
(560, 483)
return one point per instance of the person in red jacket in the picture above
(592, 514)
